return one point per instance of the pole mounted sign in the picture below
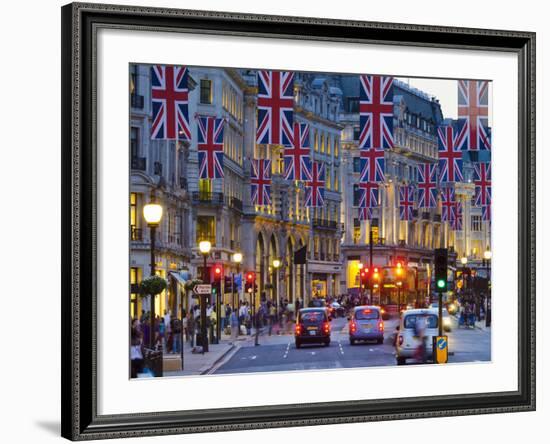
(202, 289)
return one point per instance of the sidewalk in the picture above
(480, 325)
(197, 363)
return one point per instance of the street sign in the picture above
(441, 347)
(202, 289)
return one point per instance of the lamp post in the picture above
(360, 267)
(204, 248)
(276, 265)
(399, 284)
(237, 259)
(152, 213)
(487, 262)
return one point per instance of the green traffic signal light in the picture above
(440, 283)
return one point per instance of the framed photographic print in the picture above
(258, 208)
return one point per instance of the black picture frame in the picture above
(80, 420)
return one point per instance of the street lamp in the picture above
(237, 259)
(204, 248)
(487, 259)
(152, 213)
(399, 284)
(276, 265)
(360, 267)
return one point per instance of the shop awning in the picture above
(178, 277)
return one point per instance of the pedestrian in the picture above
(176, 332)
(272, 316)
(234, 322)
(161, 338)
(191, 325)
(136, 350)
(213, 321)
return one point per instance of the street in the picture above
(278, 352)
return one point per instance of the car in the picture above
(312, 327)
(384, 313)
(446, 318)
(366, 324)
(337, 310)
(407, 341)
(317, 302)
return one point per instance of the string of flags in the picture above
(434, 181)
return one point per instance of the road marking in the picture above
(313, 353)
(341, 349)
(371, 349)
(287, 350)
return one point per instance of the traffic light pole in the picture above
(440, 323)
(204, 336)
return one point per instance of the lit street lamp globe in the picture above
(237, 258)
(463, 260)
(276, 263)
(205, 247)
(487, 255)
(152, 212)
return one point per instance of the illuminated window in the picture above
(206, 91)
(206, 229)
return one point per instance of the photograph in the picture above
(292, 221)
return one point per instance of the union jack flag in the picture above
(296, 157)
(210, 147)
(315, 184)
(170, 103)
(486, 212)
(427, 185)
(260, 182)
(372, 165)
(456, 221)
(482, 182)
(450, 139)
(365, 213)
(448, 205)
(376, 112)
(473, 108)
(368, 197)
(275, 107)
(406, 202)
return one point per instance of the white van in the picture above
(408, 342)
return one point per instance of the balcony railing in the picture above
(425, 215)
(206, 237)
(210, 198)
(236, 204)
(139, 163)
(136, 234)
(321, 223)
(136, 101)
(437, 217)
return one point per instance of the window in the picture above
(315, 141)
(352, 105)
(366, 314)
(476, 223)
(206, 91)
(206, 229)
(322, 143)
(134, 142)
(135, 234)
(357, 164)
(133, 79)
(205, 188)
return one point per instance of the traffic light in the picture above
(440, 269)
(364, 276)
(227, 284)
(216, 282)
(250, 284)
(375, 274)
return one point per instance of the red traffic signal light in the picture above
(218, 272)
(250, 277)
